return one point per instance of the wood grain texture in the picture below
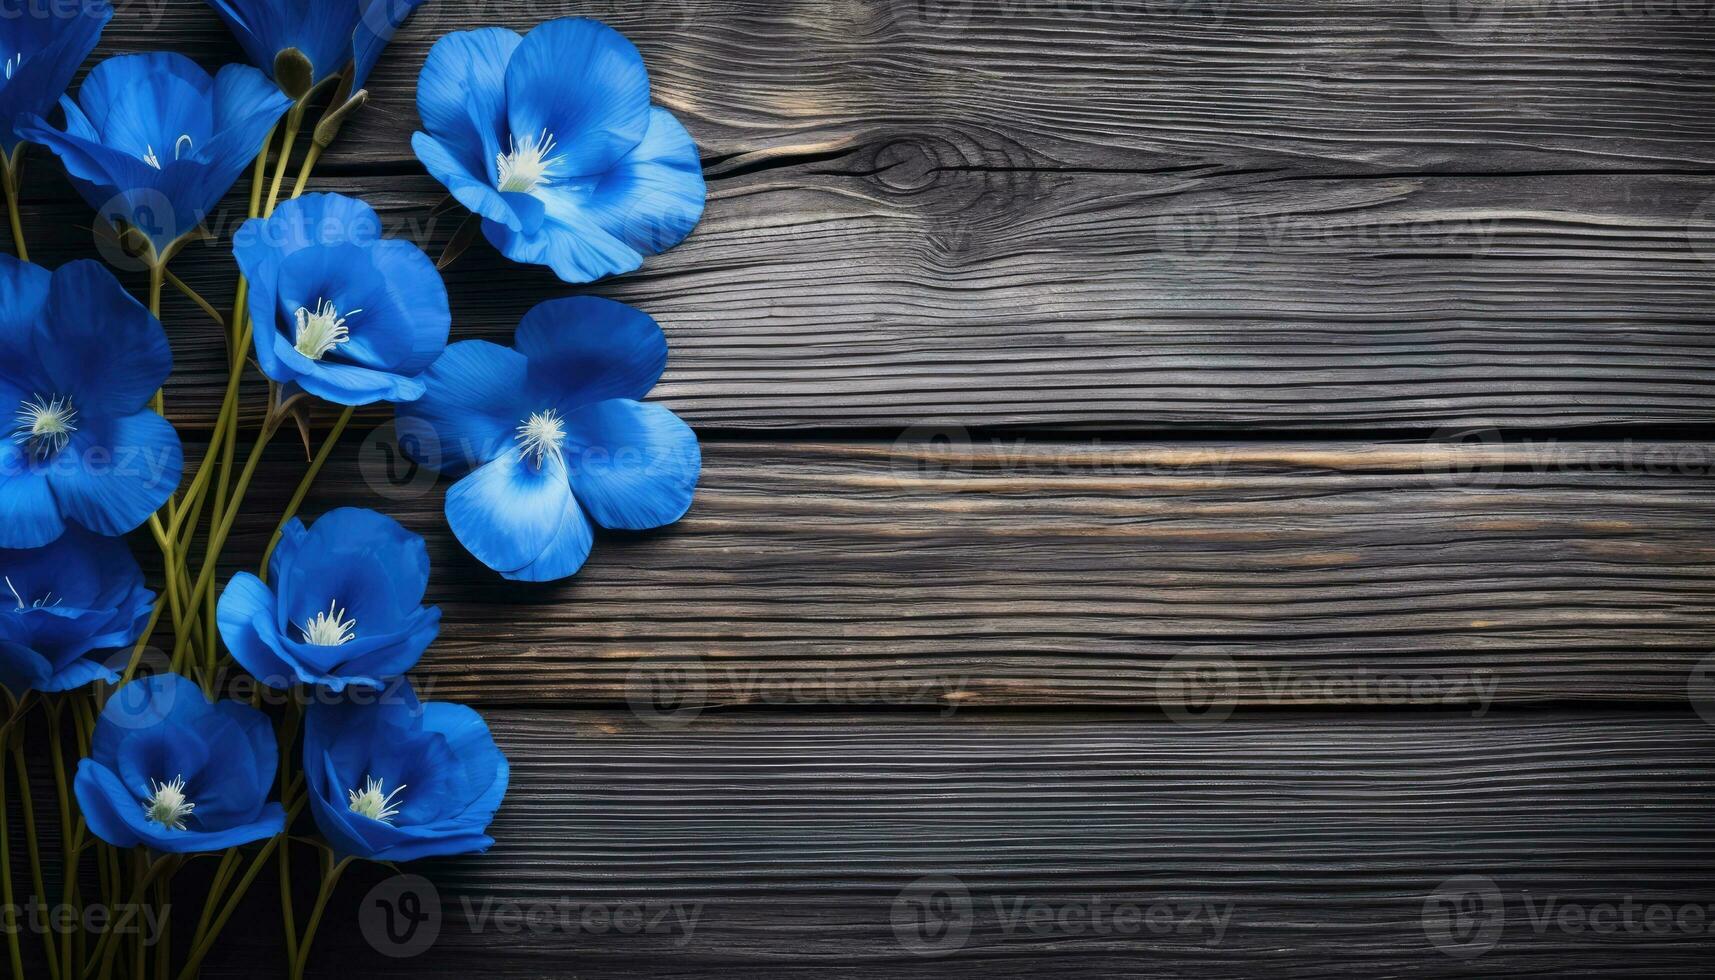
(1145, 302)
(1030, 572)
(1606, 85)
(1247, 216)
(790, 838)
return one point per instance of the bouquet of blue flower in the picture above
(551, 141)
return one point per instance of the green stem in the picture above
(294, 120)
(196, 297)
(304, 484)
(13, 950)
(189, 971)
(330, 879)
(28, 808)
(9, 179)
(108, 946)
(223, 527)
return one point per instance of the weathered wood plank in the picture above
(1133, 84)
(1209, 300)
(1032, 572)
(790, 843)
(1228, 216)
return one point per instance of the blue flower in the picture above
(153, 142)
(42, 47)
(348, 609)
(79, 361)
(556, 436)
(398, 780)
(329, 33)
(169, 770)
(552, 140)
(60, 603)
(340, 311)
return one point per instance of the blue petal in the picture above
(583, 83)
(633, 465)
(474, 193)
(365, 561)
(101, 346)
(461, 97)
(377, 22)
(568, 242)
(245, 103)
(23, 300)
(474, 399)
(653, 197)
(116, 472)
(245, 616)
(143, 102)
(509, 511)
(564, 555)
(588, 349)
(344, 384)
(321, 31)
(21, 668)
(78, 673)
(61, 41)
(29, 516)
(155, 701)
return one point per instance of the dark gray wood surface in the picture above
(1069, 372)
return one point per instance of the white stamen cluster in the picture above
(372, 803)
(45, 425)
(321, 330)
(541, 434)
(528, 164)
(329, 629)
(167, 805)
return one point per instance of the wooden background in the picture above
(1245, 454)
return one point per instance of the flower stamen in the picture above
(528, 164)
(13, 64)
(167, 805)
(179, 146)
(321, 330)
(329, 629)
(45, 425)
(45, 602)
(542, 433)
(372, 803)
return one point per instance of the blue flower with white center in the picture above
(153, 143)
(64, 602)
(554, 437)
(42, 46)
(170, 771)
(339, 311)
(552, 140)
(400, 780)
(79, 361)
(330, 34)
(345, 606)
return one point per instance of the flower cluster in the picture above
(551, 140)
